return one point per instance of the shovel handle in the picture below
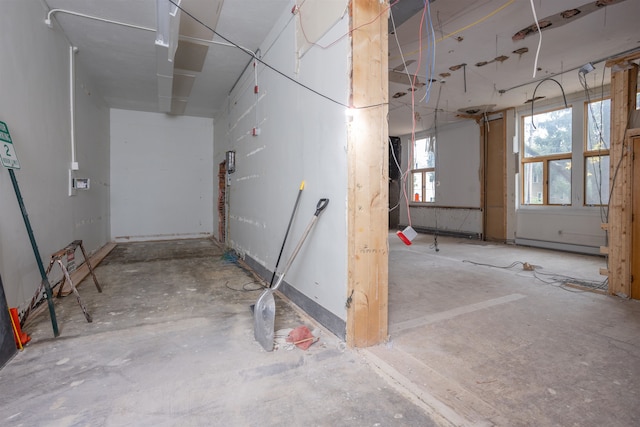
(322, 203)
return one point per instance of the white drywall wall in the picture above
(562, 225)
(162, 176)
(302, 137)
(457, 204)
(34, 74)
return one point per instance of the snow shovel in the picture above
(264, 312)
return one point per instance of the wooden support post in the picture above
(368, 171)
(624, 80)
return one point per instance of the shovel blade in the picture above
(264, 315)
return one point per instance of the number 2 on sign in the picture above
(6, 150)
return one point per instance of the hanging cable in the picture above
(298, 10)
(272, 68)
(473, 24)
(533, 98)
(535, 17)
(435, 136)
(404, 175)
(413, 110)
(431, 50)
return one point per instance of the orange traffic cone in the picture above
(20, 337)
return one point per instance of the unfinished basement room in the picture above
(320, 213)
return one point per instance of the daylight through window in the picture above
(596, 152)
(423, 172)
(547, 147)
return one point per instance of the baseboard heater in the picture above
(565, 247)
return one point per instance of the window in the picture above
(533, 186)
(423, 173)
(546, 162)
(596, 152)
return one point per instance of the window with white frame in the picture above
(423, 171)
(596, 152)
(546, 159)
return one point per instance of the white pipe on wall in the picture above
(72, 104)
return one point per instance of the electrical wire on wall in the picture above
(623, 152)
(298, 9)
(256, 91)
(601, 142)
(274, 69)
(598, 122)
(459, 30)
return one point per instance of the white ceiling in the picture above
(122, 60)
(488, 34)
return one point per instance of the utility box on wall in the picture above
(81, 183)
(231, 161)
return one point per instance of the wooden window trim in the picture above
(423, 171)
(584, 176)
(541, 159)
(545, 178)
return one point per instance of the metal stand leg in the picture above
(75, 291)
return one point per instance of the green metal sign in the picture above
(7, 151)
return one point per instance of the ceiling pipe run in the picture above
(597, 61)
(95, 18)
(166, 45)
(50, 14)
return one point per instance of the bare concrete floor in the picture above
(171, 344)
(470, 345)
(480, 345)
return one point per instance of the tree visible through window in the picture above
(547, 147)
(596, 152)
(423, 172)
